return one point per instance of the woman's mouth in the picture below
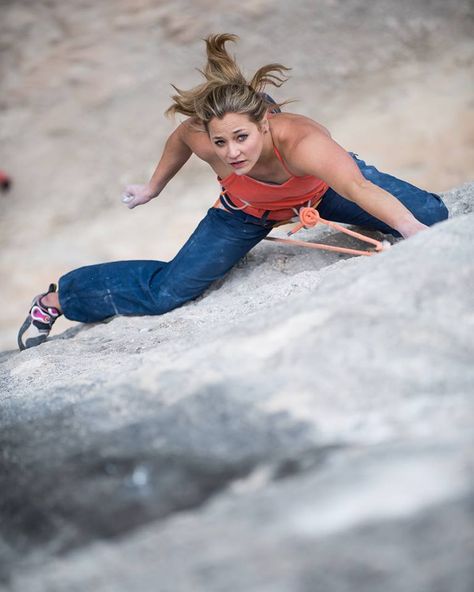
(238, 164)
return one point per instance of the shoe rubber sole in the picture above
(29, 341)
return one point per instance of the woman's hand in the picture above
(136, 195)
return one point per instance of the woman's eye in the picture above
(219, 142)
(242, 137)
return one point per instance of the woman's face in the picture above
(237, 140)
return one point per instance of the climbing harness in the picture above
(309, 217)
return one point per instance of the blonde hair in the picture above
(226, 90)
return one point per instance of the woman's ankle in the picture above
(51, 300)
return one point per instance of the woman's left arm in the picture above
(319, 155)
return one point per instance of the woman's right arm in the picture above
(175, 154)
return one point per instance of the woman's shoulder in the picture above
(289, 130)
(194, 135)
(191, 128)
(291, 127)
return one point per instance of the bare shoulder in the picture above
(194, 135)
(291, 132)
(290, 128)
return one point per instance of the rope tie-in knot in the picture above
(309, 217)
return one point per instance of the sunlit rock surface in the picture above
(306, 425)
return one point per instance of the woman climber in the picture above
(269, 165)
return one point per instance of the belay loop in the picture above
(309, 217)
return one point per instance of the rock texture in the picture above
(306, 425)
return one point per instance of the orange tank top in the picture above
(257, 197)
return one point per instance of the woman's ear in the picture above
(264, 127)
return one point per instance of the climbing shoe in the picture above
(39, 322)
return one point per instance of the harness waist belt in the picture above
(278, 215)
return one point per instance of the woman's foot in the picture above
(39, 322)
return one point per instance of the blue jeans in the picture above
(222, 238)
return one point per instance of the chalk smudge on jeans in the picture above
(109, 297)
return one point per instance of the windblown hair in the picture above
(226, 90)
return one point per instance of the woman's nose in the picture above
(232, 150)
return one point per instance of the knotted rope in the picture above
(309, 217)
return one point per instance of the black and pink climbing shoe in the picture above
(38, 323)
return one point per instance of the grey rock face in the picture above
(305, 426)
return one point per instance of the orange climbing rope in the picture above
(309, 217)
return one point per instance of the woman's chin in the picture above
(242, 170)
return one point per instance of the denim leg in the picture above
(96, 292)
(426, 207)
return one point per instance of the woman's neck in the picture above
(268, 167)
